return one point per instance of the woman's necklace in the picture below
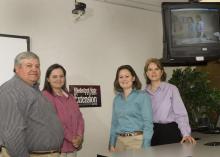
(59, 92)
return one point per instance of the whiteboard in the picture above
(10, 46)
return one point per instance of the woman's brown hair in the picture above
(136, 83)
(47, 85)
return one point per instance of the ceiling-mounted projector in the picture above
(80, 8)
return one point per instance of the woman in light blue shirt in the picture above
(132, 126)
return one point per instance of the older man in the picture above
(29, 125)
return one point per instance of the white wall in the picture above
(90, 49)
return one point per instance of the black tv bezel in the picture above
(170, 52)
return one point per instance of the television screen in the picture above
(195, 26)
(191, 31)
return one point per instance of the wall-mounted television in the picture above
(191, 32)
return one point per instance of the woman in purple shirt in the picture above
(171, 123)
(67, 109)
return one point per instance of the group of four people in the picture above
(31, 126)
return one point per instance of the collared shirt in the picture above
(70, 116)
(168, 107)
(132, 114)
(28, 120)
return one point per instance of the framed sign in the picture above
(10, 46)
(86, 95)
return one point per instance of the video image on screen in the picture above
(195, 26)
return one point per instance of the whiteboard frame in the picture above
(11, 45)
(18, 36)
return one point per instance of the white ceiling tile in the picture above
(150, 5)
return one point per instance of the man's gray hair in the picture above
(25, 55)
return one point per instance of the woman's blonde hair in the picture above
(159, 65)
